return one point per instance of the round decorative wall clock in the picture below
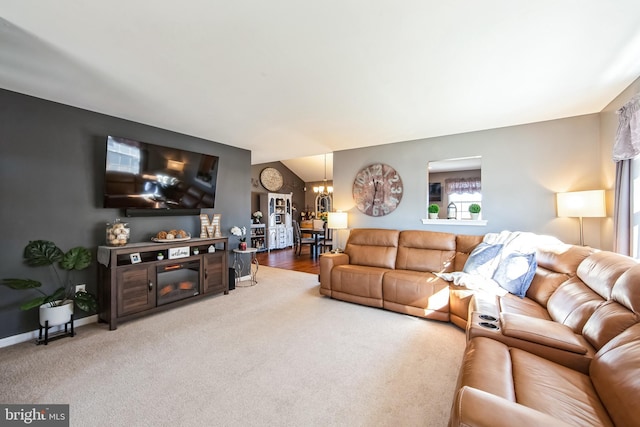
(377, 189)
(271, 179)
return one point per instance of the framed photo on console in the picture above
(135, 258)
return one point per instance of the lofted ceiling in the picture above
(291, 79)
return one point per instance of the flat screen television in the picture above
(149, 179)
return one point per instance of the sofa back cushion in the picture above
(618, 313)
(600, 271)
(556, 264)
(544, 284)
(375, 247)
(573, 303)
(426, 251)
(465, 244)
(562, 258)
(586, 304)
(615, 374)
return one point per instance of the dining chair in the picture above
(297, 236)
(327, 240)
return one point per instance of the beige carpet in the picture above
(276, 354)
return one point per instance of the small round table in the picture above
(238, 266)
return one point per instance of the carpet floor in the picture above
(275, 354)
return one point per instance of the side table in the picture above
(238, 266)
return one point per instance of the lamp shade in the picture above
(583, 204)
(337, 220)
(175, 165)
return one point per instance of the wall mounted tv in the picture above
(148, 179)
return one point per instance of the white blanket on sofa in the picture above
(473, 281)
(510, 242)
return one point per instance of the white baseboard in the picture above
(15, 339)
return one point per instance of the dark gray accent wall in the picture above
(292, 184)
(51, 182)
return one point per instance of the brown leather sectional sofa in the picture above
(568, 353)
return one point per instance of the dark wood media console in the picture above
(133, 282)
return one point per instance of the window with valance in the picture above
(462, 185)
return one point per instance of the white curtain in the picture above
(462, 185)
(626, 148)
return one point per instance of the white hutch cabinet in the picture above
(277, 208)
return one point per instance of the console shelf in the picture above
(134, 282)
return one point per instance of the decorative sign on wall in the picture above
(204, 223)
(210, 227)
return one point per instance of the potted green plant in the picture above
(433, 211)
(474, 210)
(55, 305)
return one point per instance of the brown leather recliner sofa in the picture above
(392, 269)
(568, 352)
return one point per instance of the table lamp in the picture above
(582, 204)
(337, 221)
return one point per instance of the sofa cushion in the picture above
(542, 331)
(615, 373)
(487, 366)
(556, 390)
(601, 270)
(373, 247)
(358, 284)
(573, 303)
(465, 244)
(625, 290)
(473, 407)
(417, 293)
(426, 251)
(515, 272)
(544, 284)
(608, 321)
(562, 258)
(512, 304)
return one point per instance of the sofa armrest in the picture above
(477, 408)
(327, 262)
(541, 331)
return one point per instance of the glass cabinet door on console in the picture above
(136, 289)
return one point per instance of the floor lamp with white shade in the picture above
(582, 204)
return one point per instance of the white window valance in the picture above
(462, 185)
(627, 145)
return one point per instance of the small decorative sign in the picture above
(204, 223)
(181, 252)
(135, 258)
(217, 219)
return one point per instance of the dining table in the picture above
(316, 233)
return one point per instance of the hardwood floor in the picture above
(288, 260)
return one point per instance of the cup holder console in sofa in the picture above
(488, 325)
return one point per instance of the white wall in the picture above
(522, 169)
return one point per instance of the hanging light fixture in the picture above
(324, 190)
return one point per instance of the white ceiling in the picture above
(288, 78)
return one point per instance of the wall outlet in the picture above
(81, 288)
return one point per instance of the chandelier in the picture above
(324, 190)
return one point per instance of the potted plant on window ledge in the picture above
(55, 306)
(433, 211)
(474, 210)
